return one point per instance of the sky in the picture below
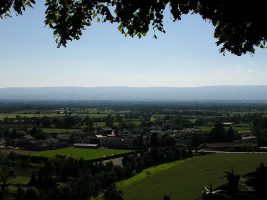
(185, 56)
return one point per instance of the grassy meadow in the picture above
(184, 180)
(78, 153)
(59, 130)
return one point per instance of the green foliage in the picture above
(20, 193)
(217, 134)
(168, 140)
(260, 130)
(30, 194)
(245, 148)
(209, 194)
(112, 193)
(154, 140)
(18, 5)
(238, 26)
(233, 181)
(220, 134)
(196, 140)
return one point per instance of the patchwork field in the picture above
(184, 180)
(59, 130)
(15, 115)
(87, 154)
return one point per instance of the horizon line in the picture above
(24, 87)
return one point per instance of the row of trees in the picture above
(219, 134)
(260, 130)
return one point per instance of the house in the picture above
(2, 143)
(38, 145)
(158, 128)
(249, 139)
(118, 142)
(102, 140)
(158, 132)
(135, 132)
(227, 124)
(26, 138)
(90, 140)
(105, 131)
(185, 135)
(112, 134)
(51, 142)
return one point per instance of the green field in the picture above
(19, 180)
(59, 130)
(14, 115)
(184, 180)
(205, 128)
(99, 124)
(193, 120)
(242, 127)
(93, 115)
(87, 154)
(136, 122)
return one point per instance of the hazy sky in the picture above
(185, 56)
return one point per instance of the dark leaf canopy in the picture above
(239, 25)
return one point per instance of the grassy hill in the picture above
(184, 180)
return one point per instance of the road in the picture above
(214, 151)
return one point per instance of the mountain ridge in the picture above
(249, 92)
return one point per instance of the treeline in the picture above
(219, 134)
(260, 130)
(13, 106)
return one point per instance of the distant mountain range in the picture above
(258, 93)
